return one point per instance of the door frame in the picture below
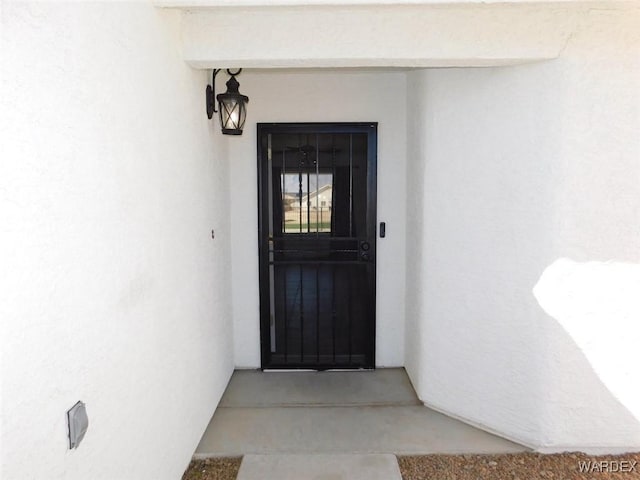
(371, 129)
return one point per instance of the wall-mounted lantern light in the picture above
(232, 105)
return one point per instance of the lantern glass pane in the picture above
(233, 114)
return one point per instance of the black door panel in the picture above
(317, 245)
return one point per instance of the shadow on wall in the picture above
(597, 305)
(498, 189)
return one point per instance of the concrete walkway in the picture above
(359, 412)
(319, 467)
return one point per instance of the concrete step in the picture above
(332, 430)
(252, 388)
(355, 412)
(319, 467)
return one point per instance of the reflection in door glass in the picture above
(307, 199)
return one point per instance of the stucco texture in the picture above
(506, 283)
(521, 311)
(323, 96)
(113, 291)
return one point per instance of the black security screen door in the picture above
(317, 228)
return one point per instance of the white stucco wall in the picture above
(522, 310)
(113, 292)
(322, 96)
(519, 231)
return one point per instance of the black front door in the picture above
(317, 234)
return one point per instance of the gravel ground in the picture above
(213, 469)
(520, 466)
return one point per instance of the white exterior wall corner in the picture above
(415, 340)
(522, 311)
(113, 291)
(328, 96)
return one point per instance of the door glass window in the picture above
(307, 198)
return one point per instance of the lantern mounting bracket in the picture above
(211, 95)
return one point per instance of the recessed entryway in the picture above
(317, 210)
